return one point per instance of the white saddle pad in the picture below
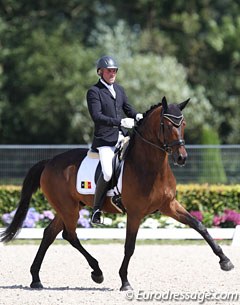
(85, 178)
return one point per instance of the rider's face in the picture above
(109, 75)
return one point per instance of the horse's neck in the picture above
(144, 151)
(148, 158)
(148, 167)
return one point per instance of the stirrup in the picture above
(96, 218)
(116, 201)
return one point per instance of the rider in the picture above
(106, 101)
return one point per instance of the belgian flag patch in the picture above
(86, 185)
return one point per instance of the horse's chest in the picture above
(169, 194)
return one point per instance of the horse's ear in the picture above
(182, 105)
(164, 104)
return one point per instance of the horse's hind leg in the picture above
(49, 236)
(69, 234)
(177, 212)
(97, 275)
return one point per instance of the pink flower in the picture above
(229, 218)
(197, 214)
(217, 220)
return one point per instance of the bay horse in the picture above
(148, 185)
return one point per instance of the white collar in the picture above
(106, 84)
(109, 87)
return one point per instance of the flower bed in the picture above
(215, 206)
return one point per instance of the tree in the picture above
(46, 91)
(200, 39)
(204, 36)
(148, 77)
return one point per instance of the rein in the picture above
(148, 142)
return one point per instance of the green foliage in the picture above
(204, 37)
(50, 102)
(148, 77)
(8, 199)
(215, 173)
(209, 199)
(10, 196)
(175, 48)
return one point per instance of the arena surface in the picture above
(159, 274)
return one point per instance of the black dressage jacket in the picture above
(107, 113)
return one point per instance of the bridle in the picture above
(165, 146)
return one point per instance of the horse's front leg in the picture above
(179, 213)
(131, 235)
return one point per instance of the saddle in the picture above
(118, 159)
(91, 169)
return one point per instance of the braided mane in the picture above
(139, 123)
(147, 112)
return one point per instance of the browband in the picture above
(176, 120)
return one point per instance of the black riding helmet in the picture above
(106, 62)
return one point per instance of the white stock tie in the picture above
(111, 89)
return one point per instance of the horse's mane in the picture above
(147, 112)
(139, 123)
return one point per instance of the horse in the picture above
(148, 185)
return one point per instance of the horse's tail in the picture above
(30, 185)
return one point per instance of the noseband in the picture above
(165, 146)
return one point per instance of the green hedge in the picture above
(10, 195)
(209, 199)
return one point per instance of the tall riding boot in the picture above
(100, 193)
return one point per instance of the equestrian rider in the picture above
(106, 103)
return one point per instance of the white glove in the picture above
(139, 116)
(127, 123)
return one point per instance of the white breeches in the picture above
(106, 154)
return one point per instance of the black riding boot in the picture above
(100, 193)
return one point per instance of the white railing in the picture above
(143, 234)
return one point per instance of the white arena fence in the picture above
(232, 234)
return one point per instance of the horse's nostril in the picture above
(181, 159)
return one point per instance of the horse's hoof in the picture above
(97, 278)
(36, 285)
(126, 287)
(226, 265)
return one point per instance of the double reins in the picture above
(148, 142)
(165, 147)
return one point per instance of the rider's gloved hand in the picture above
(139, 116)
(127, 123)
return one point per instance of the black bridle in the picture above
(166, 147)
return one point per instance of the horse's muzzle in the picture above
(179, 159)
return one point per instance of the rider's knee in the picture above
(107, 176)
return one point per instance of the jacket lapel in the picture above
(105, 89)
